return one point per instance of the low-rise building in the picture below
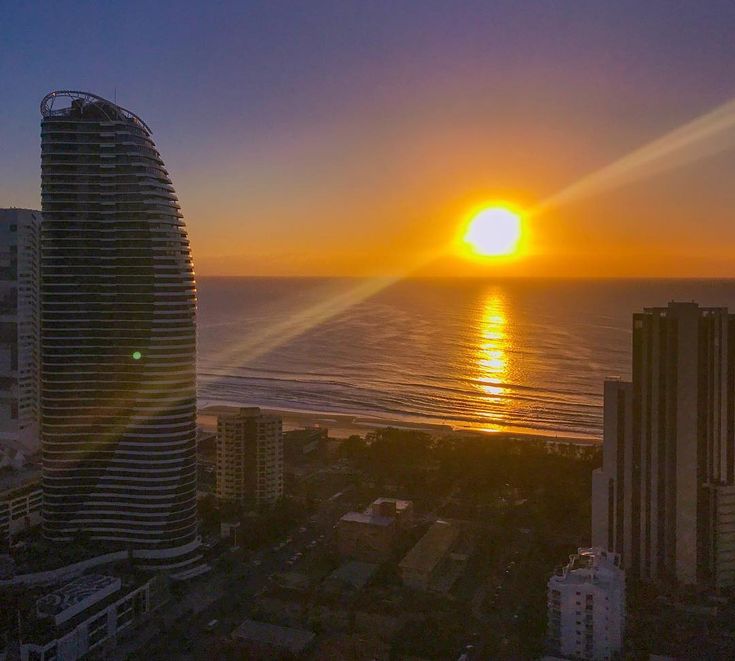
(351, 576)
(425, 563)
(394, 508)
(365, 536)
(371, 535)
(586, 606)
(20, 503)
(81, 616)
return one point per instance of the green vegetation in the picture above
(256, 530)
(526, 504)
(530, 504)
(476, 477)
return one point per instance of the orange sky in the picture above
(351, 138)
(385, 194)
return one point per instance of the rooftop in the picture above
(293, 640)
(367, 519)
(91, 104)
(432, 547)
(41, 628)
(246, 412)
(12, 479)
(400, 504)
(68, 600)
(591, 565)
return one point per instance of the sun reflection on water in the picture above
(492, 356)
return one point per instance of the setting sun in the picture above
(493, 232)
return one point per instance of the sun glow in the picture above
(493, 232)
(493, 348)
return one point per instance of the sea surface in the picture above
(520, 355)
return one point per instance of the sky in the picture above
(353, 138)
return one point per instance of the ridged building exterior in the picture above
(118, 343)
(664, 498)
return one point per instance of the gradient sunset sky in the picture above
(346, 137)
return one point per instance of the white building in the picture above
(586, 606)
(84, 616)
(19, 332)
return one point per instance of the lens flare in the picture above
(700, 138)
(704, 136)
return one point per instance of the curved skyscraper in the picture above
(118, 401)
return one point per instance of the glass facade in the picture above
(118, 344)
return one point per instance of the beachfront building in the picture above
(118, 396)
(664, 498)
(19, 334)
(586, 606)
(249, 457)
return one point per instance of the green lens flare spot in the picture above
(137, 355)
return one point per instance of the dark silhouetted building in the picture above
(20, 237)
(118, 345)
(664, 498)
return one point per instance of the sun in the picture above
(494, 231)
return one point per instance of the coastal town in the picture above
(359, 546)
(372, 540)
(452, 376)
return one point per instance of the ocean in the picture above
(509, 355)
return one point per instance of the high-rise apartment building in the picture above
(249, 457)
(586, 606)
(118, 399)
(19, 331)
(665, 496)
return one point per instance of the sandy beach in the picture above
(342, 425)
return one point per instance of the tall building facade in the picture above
(118, 345)
(249, 457)
(586, 607)
(19, 332)
(665, 496)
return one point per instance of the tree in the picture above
(352, 447)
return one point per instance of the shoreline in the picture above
(342, 425)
